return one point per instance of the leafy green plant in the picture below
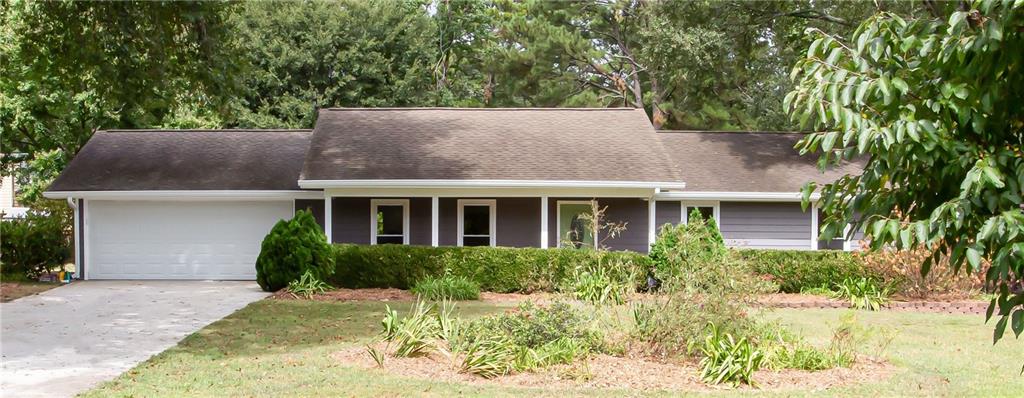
(728, 360)
(798, 270)
(597, 286)
(33, 245)
(862, 293)
(493, 269)
(307, 285)
(817, 291)
(447, 287)
(292, 248)
(488, 357)
(415, 335)
(377, 355)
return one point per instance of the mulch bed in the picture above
(942, 305)
(604, 371)
(14, 290)
(405, 295)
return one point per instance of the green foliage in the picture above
(291, 249)
(33, 245)
(496, 269)
(728, 360)
(930, 105)
(446, 287)
(682, 247)
(797, 270)
(601, 284)
(863, 293)
(72, 67)
(307, 285)
(784, 350)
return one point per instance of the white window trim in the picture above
(492, 204)
(558, 216)
(374, 203)
(715, 205)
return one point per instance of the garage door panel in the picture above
(178, 240)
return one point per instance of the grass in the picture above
(283, 348)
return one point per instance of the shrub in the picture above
(797, 270)
(447, 287)
(702, 284)
(33, 245)
(495, 269)
(597, 286)
(292, 248)
(307, 285)
(862, 293)
(728, 360)
(901, 270)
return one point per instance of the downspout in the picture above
(79, 267)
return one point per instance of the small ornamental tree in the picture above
(290, 249)
(933, 107)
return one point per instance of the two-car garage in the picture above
(177, 239)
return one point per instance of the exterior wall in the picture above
(667, 212)
(419, 221)
(351, 223)
(771, 225)
(316, 206)
(80, 250)
(447, 216)
(633, 211)
(518, 222)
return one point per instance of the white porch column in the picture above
(814, 226)
(434, 221)
(543, 222)
(328, 218)
(651, 234)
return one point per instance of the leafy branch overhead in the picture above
(932, 105)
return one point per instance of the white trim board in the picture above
(425, 183)
(374, 203)
(736, 196)
(493, 209)
(553, 192)
(186, 195)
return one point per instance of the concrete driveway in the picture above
(66, 340)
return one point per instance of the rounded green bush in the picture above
(290, 249)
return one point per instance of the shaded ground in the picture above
(289, 347)
(14, 290)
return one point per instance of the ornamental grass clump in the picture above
(446, 287)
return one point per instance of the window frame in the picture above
(558, 216)
(492, 205)
(374, 204)
(713, 204)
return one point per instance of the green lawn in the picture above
(282, 348)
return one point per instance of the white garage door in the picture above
(177, 240)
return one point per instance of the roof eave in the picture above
(423, 183)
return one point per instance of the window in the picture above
(708, 210)
(389, 220)
(573, 230)
(477, 222)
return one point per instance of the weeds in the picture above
(862, 293)
(307, 285)
(447, 287)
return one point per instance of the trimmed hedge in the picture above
(795, 270)
(495, 269)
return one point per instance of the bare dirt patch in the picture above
(938, 304)
(604, 371)
(14, 290)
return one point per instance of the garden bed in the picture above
(938, 305)
(385, 295)
(605, 371)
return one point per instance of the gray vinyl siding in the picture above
(316, 206)
(351, 220)
(419, 221)
(447, 216)
(518, 222)
(633, 211)
(667, 212)
(782, 225)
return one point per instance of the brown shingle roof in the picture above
(561, 144)
(129, 160)
(745, 162)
